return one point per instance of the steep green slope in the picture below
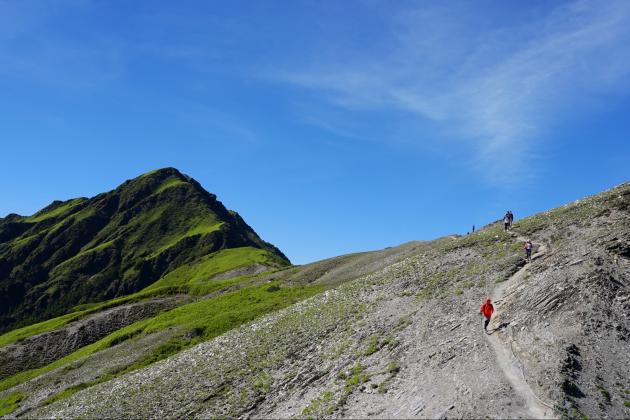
(115, 244)
(195, 322)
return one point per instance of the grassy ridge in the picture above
(59, 210)
(10, 403)
(192, 278)
(207, 318)
(83, 311)
(200, 272)
(169, 183)
(50, 325)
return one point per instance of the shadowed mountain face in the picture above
(114, 244)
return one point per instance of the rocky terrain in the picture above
(386, 334)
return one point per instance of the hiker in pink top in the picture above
(528, 250)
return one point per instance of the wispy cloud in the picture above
(498, 88)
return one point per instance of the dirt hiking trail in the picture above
(533, 407)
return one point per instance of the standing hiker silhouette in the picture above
(486, 309)
(528, 250)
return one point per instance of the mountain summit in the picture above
(116, 243)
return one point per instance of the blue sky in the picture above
(331, 126)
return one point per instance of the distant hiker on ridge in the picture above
(528, 250)
(506, 221)
(486, 310)
(511, 217)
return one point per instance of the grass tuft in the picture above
(11, 402)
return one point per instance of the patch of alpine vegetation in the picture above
(186, 326)
(9, 403)
(227, 375)
(42, 349)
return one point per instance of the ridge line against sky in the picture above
(331, 127)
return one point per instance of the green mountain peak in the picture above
(114, 244)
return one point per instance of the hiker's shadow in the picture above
(501, 326)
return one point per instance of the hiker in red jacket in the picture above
(486, 310)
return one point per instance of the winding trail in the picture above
(534, 407)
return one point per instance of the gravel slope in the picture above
(406, 341)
